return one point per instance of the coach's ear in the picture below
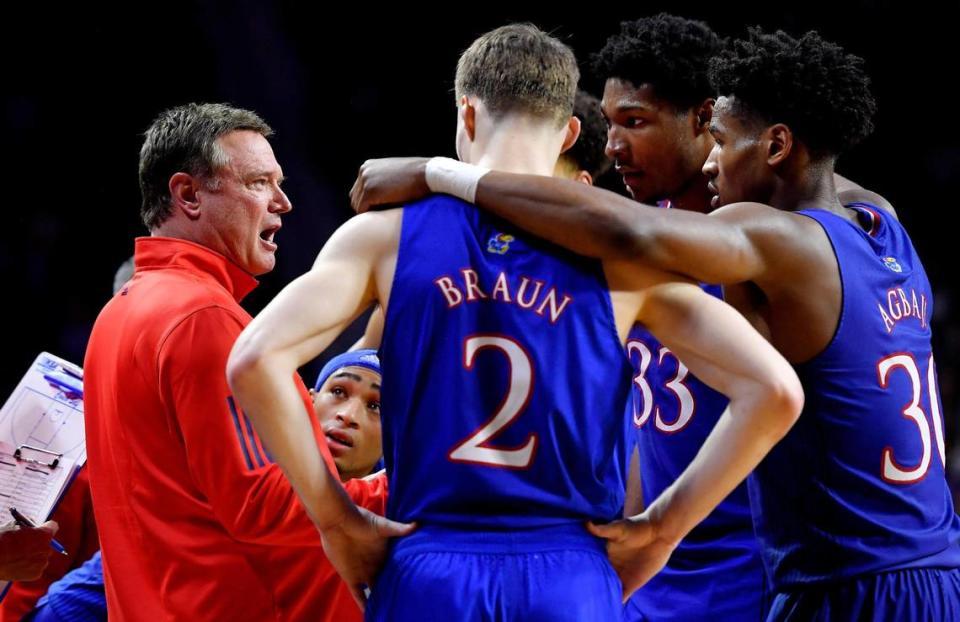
(184, 194)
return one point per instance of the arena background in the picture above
(81, 84)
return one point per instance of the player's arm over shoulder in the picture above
(762, 244)
(736, 243)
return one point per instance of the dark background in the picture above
(79, 87)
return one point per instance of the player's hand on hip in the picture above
(635, 550)
(357, 547)
(389, 181)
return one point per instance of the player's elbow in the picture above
(783, 399)
(245, 362)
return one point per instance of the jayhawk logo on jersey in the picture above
(891, 262)
(499, 243)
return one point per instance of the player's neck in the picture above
(809, 188)
(517, 146)
(694, 197)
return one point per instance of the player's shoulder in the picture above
(764, 224)
(861, 196)
(370, 235)
(430, 204)
(751, 213)
(438, 202)
(787, 243)
(371, 226)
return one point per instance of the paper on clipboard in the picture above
(42, 442)
(46, 409)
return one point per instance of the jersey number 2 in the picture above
(476, 448)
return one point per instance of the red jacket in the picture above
(196, 522)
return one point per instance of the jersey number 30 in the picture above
(893, 471)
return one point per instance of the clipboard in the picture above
(42, 439)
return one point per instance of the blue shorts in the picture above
(915, 594)
(730, 590)
(556, 574)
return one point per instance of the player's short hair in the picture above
(669, 53)
(520, 68)
(818, 90)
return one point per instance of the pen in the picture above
(68, 383)
(70, 372)
(23, 521)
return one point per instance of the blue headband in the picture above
(357, 358)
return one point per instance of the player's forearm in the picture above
(588, 221)
(263, 387)
(753, 423)
(598, 223)
(721, 349)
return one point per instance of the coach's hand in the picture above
(357, 547)
(389, 181)
(25, 551)
(635, 550)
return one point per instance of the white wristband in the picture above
(454, 178)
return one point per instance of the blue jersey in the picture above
(717, 567)
(503, 375)
(858, 486)
(78, 596)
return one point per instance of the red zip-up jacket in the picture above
(196, 522)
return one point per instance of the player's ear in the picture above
(584, 177)
(468, 116)
(779, 139)
(701, 116)
(573, 133)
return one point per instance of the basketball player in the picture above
(504, 370)
(658, 104)
(852, 508)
